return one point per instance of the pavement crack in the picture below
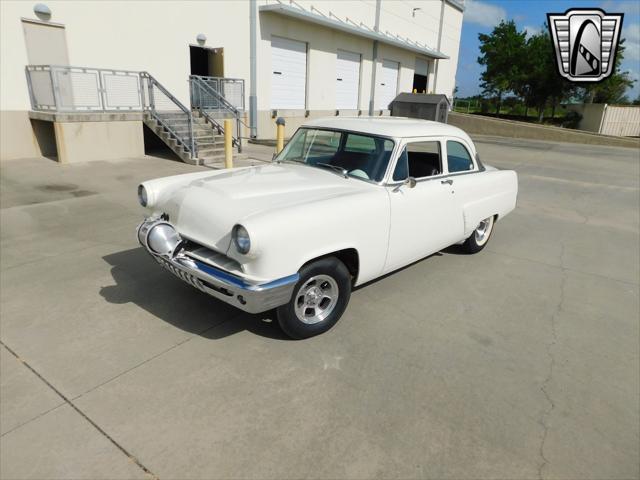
(82, 414)
(544, 388)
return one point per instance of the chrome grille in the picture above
(211, 257)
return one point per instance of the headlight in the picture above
(142, 195)
(163, 239)
(241, 239)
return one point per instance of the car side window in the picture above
(458, 158)
(419, 160)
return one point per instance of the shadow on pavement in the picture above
(140, 280)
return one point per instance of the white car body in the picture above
(297, 213)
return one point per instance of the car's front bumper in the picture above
(252, 297)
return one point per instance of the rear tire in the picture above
(480, 236)
(319, 299)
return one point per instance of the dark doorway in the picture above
(155, 147)
(419, 83)
(207, 62)
(44, 132)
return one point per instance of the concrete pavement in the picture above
(519, 362)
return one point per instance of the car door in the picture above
(423, 219)
(463, 171)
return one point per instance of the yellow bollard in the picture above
(415, 90)
(228, 144)
(279, 134)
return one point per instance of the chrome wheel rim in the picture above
(316, 299)
(483, 231)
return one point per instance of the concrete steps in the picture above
(209, 141)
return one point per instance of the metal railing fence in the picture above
(169, 112)
(81, 89)
(61, 88)
(213, 105)
(231, 89)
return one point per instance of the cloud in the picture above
(631, 34)
(531, 31)
(483, 13)
(628, 7)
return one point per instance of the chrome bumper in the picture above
(223, 285)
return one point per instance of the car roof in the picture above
(397, 127)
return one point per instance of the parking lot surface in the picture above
(519, 362)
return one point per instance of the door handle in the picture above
(449, 181)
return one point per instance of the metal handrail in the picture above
(188, 143)
(200, 84)
(220, 85)
(212, 91)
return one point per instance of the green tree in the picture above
(612, 89)
(502, 54)
(539, 83)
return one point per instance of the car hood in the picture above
(206, 209)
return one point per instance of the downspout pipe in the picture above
(253, 73)
(376, 27)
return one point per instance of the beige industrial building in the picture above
(79, 79)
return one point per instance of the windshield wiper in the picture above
(343, 171)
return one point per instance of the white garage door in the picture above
(289, 73)
(347, 80)
(387, 85)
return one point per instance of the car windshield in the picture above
(350, 154)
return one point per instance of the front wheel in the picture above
(319, 299)
(479, 237)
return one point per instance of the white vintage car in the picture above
(346, 201)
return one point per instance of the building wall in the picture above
(324, 42)
(447, 69)
(131, 35)
(155, 36)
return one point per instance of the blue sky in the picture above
(481, 16)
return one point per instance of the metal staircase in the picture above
(208, 143)
(194, 134)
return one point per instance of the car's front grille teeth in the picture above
(184, 276)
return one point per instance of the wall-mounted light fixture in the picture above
(42, 11)
(413, 12)
(201, 38)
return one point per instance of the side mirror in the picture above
(409, 182)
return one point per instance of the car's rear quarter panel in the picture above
(484, 194)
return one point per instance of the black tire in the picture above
(477, 242)
(318, 274)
